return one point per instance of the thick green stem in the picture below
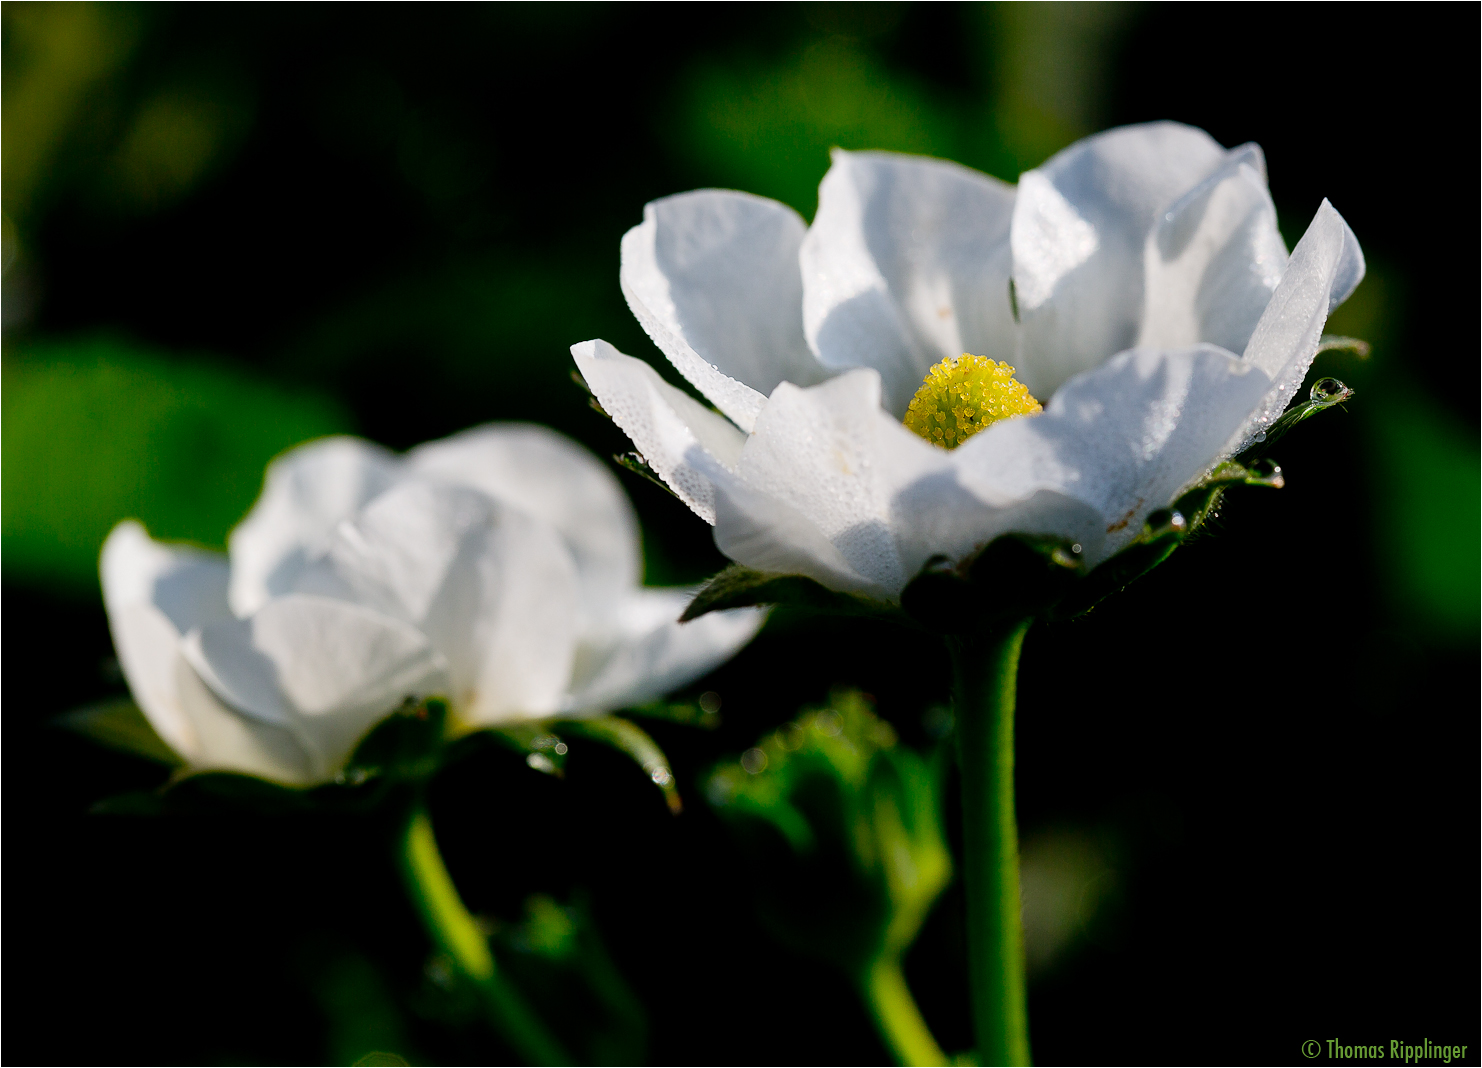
(985, 668)
(457, 934)
(897, 1016)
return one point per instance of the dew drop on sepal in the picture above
(1264, 472)
(1165, 521)
(1330, 391)
(1261, 436)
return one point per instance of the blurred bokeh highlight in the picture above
(1248, 789)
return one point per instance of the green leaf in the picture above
(739, 586)
(629, 738)
(120, 725)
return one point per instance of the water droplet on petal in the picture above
(1261, 436)
(1330, 391)
(1165, 521)
(754, 761)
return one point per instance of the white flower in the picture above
(1136, 283)
(498, 568)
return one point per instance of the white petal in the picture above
(1213, 260)
(493, 588)
(154, 593)
(664, 423)
(325, 670)
(713, 278)
(819, 452)
(907, 263)
(647, 652)
(558, 482)
(306, 494)
(1080, 225)
(1124, 438)
(232, 742)
(1325, 268)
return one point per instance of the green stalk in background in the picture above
(899, 1021)
(985, 668)
(456, 933)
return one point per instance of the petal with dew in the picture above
(1123, 439)
(664, 423)
(907, 263)
(558, 482)
(646, 652)
(323, 669)
(1080, 225)
(307, 492)
(713, 278)
(819, 451)
(1326, 266)
(1213, 260)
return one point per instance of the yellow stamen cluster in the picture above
(962, 395)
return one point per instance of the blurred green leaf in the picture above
(768, 129)
(120, 725)
(98, 431)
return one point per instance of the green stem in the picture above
(457, 934)
(897, 1016)
(985, 668)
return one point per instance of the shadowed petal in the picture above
(646, 652)
(306, 494)
(1213, 260)
(713, 278)
(552, 478)
(154, 593)
(1081, 222)
(323, 669)
(907, 263)
(1124, 438)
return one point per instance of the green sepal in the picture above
(738, 586)
(638, 464)
(406, 746)
(1013, 576)
(688, 713)
(1325, 393)
(543, 749)
(121, 725)
(632, 740)
(1338, 343)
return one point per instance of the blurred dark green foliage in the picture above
(230, 228)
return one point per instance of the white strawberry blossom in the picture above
(499, 568)
(1136, 282)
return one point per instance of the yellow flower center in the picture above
(962, 395)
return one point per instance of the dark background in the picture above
(232, 228)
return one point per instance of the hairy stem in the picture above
(457, 934)
(985, 668)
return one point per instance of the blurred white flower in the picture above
(499, 568)
(1136, 284)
